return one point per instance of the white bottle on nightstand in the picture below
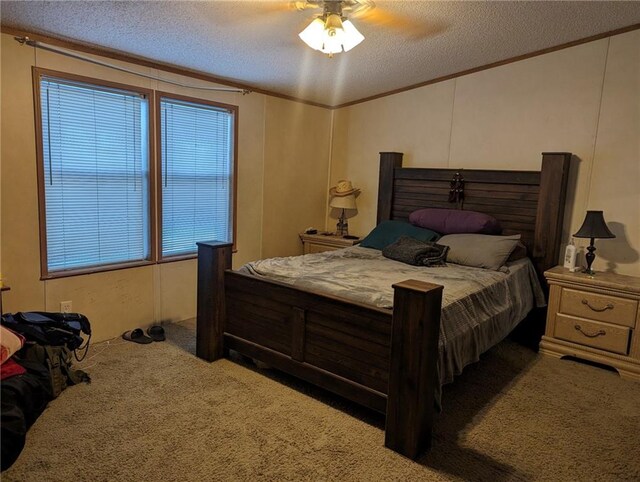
(570, 256)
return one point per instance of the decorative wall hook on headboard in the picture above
(456, 192)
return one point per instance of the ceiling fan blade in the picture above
(304, 5)
(410, 28)
(357, 7)
(256, 10)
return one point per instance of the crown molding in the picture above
(145, 62)
(117, 55)
(499, 63)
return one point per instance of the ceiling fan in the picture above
(332, 32)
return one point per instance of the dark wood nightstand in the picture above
(595, 318)
(317, 243)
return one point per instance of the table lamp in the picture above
(343, 198)
(593, 227)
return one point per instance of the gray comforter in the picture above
(479, 308)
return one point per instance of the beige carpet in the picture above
(156, 412)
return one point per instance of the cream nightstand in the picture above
(594, 318)
(317, 243)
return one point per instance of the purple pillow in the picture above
(455, 221)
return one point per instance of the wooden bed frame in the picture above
(382, 359)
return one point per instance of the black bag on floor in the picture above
(47, 328)
(23, 398)
(57, 361)
(51, 340)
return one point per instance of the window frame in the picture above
(233, 109)
(37, 74)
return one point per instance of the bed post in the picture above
(415, 332)
(214, 257)
(388, 162)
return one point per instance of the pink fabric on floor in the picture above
(10, 369)
(10, 343)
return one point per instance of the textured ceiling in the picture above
(257, 42)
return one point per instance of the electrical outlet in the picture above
(65, 306)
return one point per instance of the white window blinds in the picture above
(96, 174)
(197, 170)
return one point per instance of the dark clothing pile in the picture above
(415, 252)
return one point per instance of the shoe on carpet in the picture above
(137, 336)
(156, 333)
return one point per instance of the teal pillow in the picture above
(388, 232)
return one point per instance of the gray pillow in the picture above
(479, 250)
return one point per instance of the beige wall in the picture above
(585, 100)
(614, 184)
(268, 172)
(296, 171)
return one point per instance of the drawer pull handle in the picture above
(608, 306)
(590, 335)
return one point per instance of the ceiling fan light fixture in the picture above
(331, 35)
(352, 36)
(313, 35)
(333, 24)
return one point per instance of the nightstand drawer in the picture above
(599, 307)
(591, 333)
(317, 243)
(310, 248)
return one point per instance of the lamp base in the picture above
(590, 256)
(342, 227)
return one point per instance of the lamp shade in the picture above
(594, 227)
(343, 202)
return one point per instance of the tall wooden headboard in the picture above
(530, 203)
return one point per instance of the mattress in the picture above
(479, 308)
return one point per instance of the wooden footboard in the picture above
(385, 361)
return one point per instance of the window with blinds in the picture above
(196, 163)
(94, 174)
